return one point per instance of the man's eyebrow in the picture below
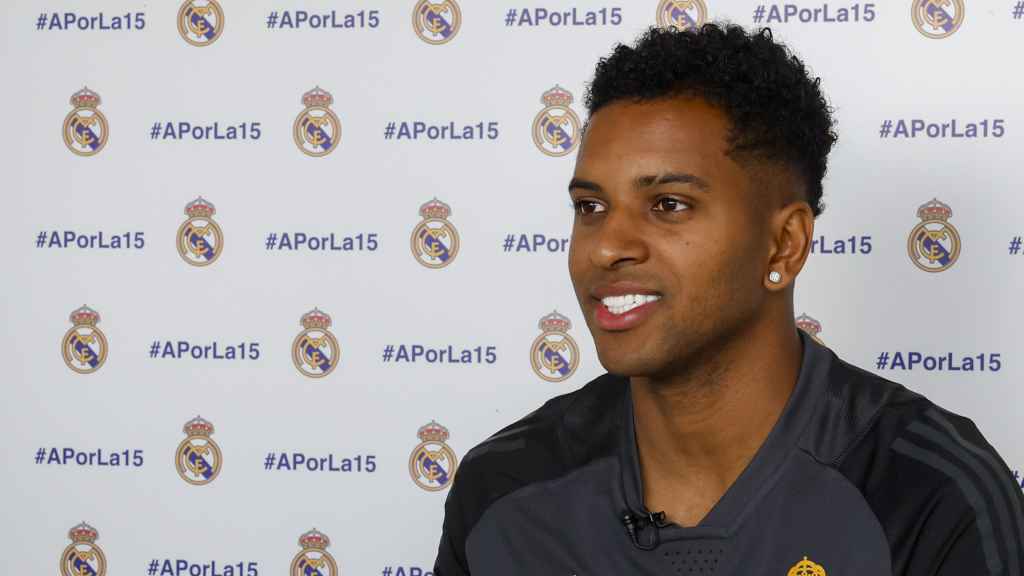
(673, 178)
(584, 185)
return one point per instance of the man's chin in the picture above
(629, 362)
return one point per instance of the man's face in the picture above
(670, 238)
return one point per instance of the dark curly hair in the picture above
(776, 109)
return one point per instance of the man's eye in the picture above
(584, 207)
(669, 204)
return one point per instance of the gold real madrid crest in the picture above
(85, 127)
(317, 129)
(554, 355)
(934, 244)
(937, 19)
(810, 326)
(315, 351)
(314, 557)
(200, 239)
(436, 22)
(84, 346)
(200, 22)
(83, 557)
(556, 128)
(435, 242)
(682, 14)
(198, 458)
(433, 463)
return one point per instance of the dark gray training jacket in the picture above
(859, 477)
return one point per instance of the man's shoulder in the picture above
(546, 444)
(928, 474)
(866, 421)
(555, 438)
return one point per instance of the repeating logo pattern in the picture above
(436, 22)
(84, 346)
(83, 557)
(806, 568)
(811, 326)
(317, 129)
(198, 458)
(435, 241)
(315, 351)
(554, 354)
(200, 22)
(934, 244)
(937, 19)
(314, 559)
(85, 127)
(682, 14)
(200, 239)
(433, 463)
(556, 128)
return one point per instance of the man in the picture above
(723, 440)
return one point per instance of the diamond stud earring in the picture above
(775, 277)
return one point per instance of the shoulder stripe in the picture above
(1010, 488)
(989, 484)
(970, 491)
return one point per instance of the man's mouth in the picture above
(624, 305)
(621, 304)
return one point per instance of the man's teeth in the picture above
(626, 302)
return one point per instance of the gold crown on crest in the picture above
(200, 208)
(934, 211)
(316, 319)
(85, 98)
(557, 96)
(432, 432)
(82, 533)
(554, 322)
(808, 324)
(314, 539)
(198, 427)
(85, 316)
(806, 568)
(317, 97)
(435, 209)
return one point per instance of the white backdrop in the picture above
(490, 75)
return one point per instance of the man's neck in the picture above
(697, 431)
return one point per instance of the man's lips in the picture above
(623, 305)
(612, 322)
(623, 288)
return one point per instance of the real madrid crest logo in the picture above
(317, 129)
(84, 346)
(554, 354)
(198, 458)
(937, 19)
(806, 568)
(432, 464)
(682, 14)
(436, 22)
(83, 557)
(809, 325)
(315, 351)
(934, 244)
(314, 560)
(200, 239)
(556, 129)
(85, 127)
(200, 22)
(435, 242)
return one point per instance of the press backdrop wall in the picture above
(293, 100)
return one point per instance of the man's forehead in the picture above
(652, 137)
(654, 126)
